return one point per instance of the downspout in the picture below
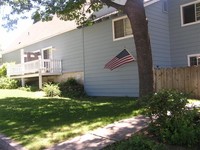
(22, 63)
(83, 36)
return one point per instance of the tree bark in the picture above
(136, 13)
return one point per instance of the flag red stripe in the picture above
(125, 62)
(110, 62)
(122, 58)
(117, 59)
(121, 62)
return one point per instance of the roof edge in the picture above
(36, 41)
(150, 2)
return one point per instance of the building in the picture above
(53, 51)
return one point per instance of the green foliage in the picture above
(51, 90)
(3, 70)
(8, 83)
(71, 88)
(177, 130)
(33, 84)
(137, 143)
(65, 10)
(38, 122)
(25, 88)
(171, 121)
(164, 102)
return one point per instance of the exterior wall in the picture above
(184, 40)
(89, 52)
(100, 48)
(159, 34)
(13, 56)
(79, 76)
(67, 46)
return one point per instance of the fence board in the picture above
(198, 82)
(185, 79)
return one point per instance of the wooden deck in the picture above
(35, 68)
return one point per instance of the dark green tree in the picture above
(73, 10)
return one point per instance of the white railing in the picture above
(36, 66)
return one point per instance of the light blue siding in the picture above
(159, 34)
(184, 40)
(13, 56)
(100, 48)
(67, 46)
(90, 48)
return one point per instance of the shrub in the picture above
(51, 90)
(171, 121)
(8, 83)
(137, 143)
(25, 88)
(3, 70)
(71, 88)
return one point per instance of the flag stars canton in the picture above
(122, 58)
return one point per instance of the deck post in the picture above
(23, 82)
(40, 80)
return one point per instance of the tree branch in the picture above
(113, 4)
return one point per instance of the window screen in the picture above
(189, 14)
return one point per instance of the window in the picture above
(47, 53)
(121, 28)
(165, 6)
(190, 13)
(194, 60)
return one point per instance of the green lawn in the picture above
(38, 122)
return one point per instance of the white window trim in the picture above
(36, 51)
(150, 2)
(181, 11)
(113, 29)
(50, 47)
(192, 55)
(46, 48)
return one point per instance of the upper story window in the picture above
(165, 6)
(121, 28)
(194, 60)
(190, 13)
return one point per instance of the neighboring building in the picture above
(65, 50)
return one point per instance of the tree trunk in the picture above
(136, 14)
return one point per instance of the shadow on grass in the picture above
(25, 118)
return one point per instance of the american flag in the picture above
(122, 58)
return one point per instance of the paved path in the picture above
(93, 140)
(96, 139)
(103, 137)
(8, 144)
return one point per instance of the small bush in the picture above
(71, 88)
(51, 90)
(171, 121)
(3, 70)
(137, 143)
(8, 83)
(26, 88)
(164, 102)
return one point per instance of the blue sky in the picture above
(6, 37)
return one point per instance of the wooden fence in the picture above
(185, 79)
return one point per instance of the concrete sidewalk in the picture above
(93, 140)
(7, 143)
(96, 139)
(103, 137)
